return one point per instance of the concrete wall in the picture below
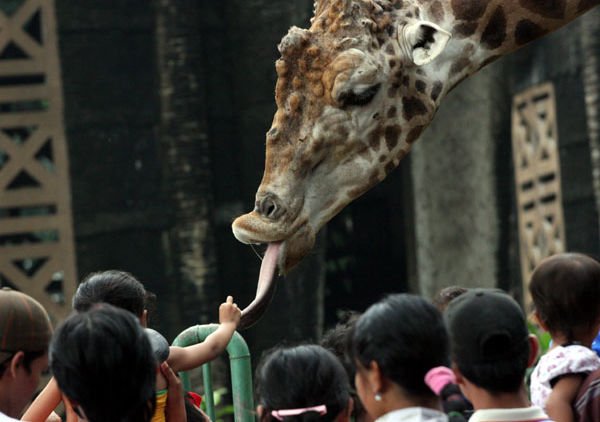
(454, 182)
(464, 201)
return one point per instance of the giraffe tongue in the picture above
(265, 289)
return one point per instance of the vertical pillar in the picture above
(36, 236)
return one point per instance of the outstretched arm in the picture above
(560, 402)
(186, 358)
(44, 404)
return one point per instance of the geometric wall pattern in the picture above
(36, 236)
(537, 177)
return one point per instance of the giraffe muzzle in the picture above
(270, 207)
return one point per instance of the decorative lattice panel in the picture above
(36, 238)
(537, 178)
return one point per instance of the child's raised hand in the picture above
(229, 312)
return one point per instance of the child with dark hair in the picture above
(565, 289)
(123, 290)
(444, 296)
(302, 383)
(394, 344)
(103, 363)
(336, 341)
(491, 350)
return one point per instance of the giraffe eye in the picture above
(362, 98)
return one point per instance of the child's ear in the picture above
(534, 349)
(260, 411)
(375, 378)
(15, 362)
(345, 415)
(144, 318)
(457, 374)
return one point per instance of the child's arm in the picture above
(560, 402)
(44, 404)
(186, 358)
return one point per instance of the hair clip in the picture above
(280, 414)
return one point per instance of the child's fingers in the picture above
(229, 299)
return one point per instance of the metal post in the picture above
(241, 371)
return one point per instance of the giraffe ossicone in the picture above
(358, 87)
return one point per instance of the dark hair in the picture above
(565, 289)
(406, 336)
(336, 341)
(117, 288)
(445, 295)
(500, 376)
(102, 360)
(301, 376)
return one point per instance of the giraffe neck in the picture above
(484, 30)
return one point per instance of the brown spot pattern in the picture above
(437, 11)
(389, 167)
(554, 9)
(494, 33)
(391, 136)
(527, 31)
(436, 90)
(459, 65)
(469, 9)
(391, 112)
(465, 29)
(420, 85)
(375, 139)
(412, 107)
(414, 134)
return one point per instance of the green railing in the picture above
(241, 372)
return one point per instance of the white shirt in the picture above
(414, 414)
(524, 414)
(4, 418)
(560, 361)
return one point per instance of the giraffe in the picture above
(355, 91)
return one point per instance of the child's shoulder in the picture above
(571, 359)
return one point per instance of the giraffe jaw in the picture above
(281, 256)
(296, 239)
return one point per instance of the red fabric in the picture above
(195, 398)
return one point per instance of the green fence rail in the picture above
(241, 372)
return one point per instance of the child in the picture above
(122, 290)
(336, 341)
(565, 289)
(102, 361)
(302, 383)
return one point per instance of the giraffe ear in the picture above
(424, 41)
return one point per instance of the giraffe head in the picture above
(352, 94)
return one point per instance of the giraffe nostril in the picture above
(269, 207)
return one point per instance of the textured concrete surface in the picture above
(455, 204)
